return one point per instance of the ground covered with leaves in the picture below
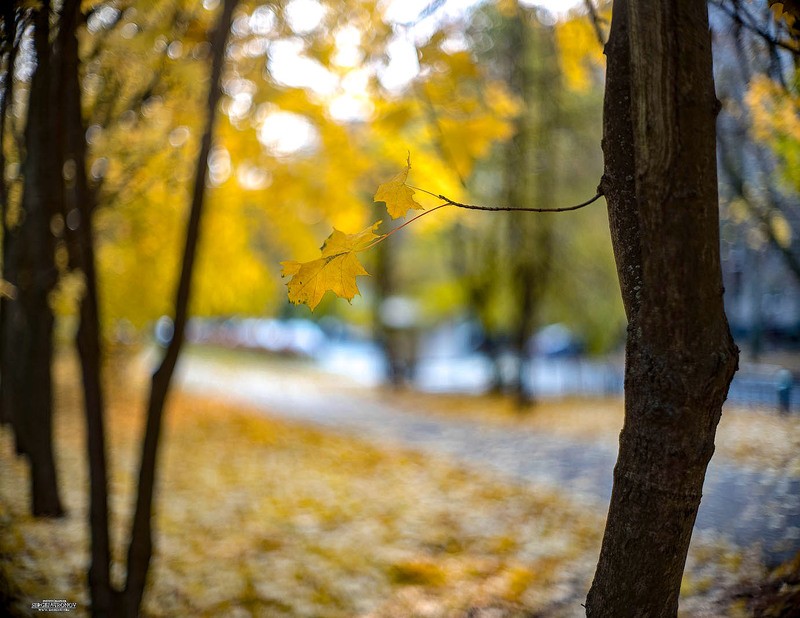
(755, 437)
(260, 517)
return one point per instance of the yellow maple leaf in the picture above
(335, 270)
(397, 195)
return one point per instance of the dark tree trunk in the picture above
(9, 42)
(78, 208)
(141, 543)
(661, 185)
(28, 336)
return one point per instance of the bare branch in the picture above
(449, 202)
(748, 21)
(596, 21)
(440, 143)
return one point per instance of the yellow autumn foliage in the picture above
(580, 53)
(271, 191)
(775, 117)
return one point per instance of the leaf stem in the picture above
(449, 202)
(400, 227)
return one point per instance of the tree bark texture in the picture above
(28, 336)
(141, 543)
(661, 186)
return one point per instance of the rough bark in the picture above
(141, 540)
(29, 322)
(661, 186)
(78, 207)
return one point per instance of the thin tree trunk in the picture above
(523, 254)
(529, 179)
(141, 541)
(29, 324)
(79, 207)
(661, 187)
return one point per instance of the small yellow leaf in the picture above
(397, 195)
(335, 270)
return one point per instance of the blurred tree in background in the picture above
(755, 68)
(56, 217)
(307, 110)
(119, 174)
(33, 261)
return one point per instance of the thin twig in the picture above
(751, 25)
(400, 227)
(440, 143)
(424, 14)
(595, 19)
(449, 202)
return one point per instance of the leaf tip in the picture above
(290, 268)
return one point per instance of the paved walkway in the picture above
(745, 506)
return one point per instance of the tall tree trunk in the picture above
(661, 185)
(9, 41)
(520, 230)
(29, 323)
(141, 542)
(385, 288)
(529, 178)
(78, 210)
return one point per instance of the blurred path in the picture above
(744, 506)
